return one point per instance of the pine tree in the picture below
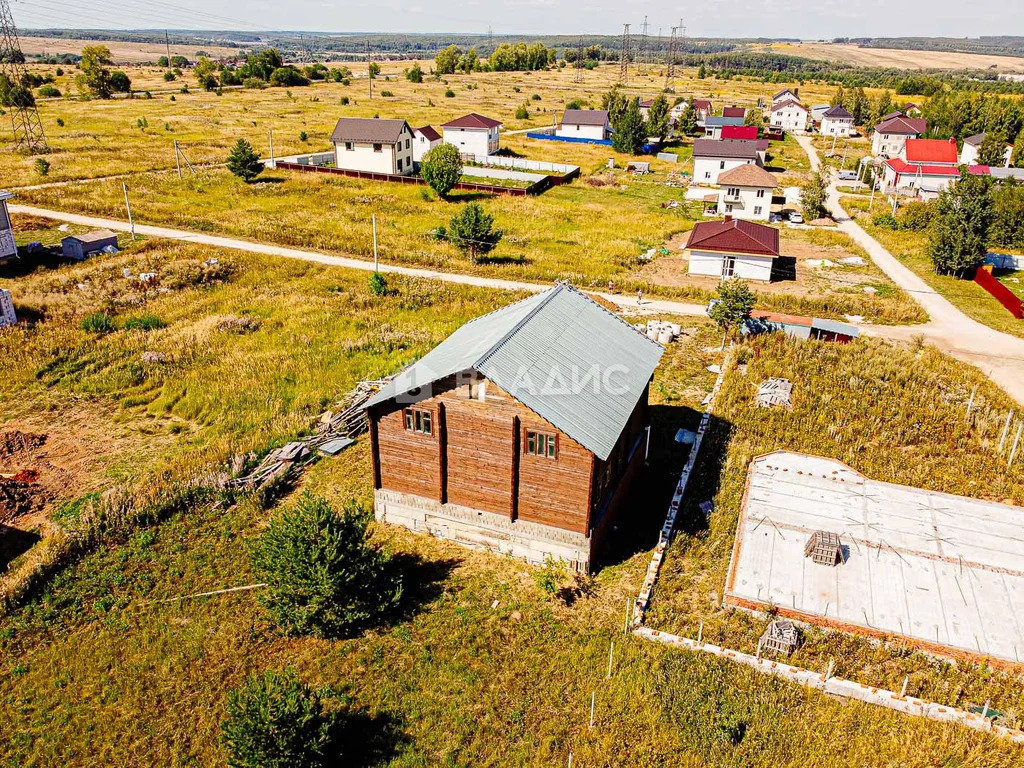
(688, 120)
(959, 236)
(630, 131)
(324, 577)
(473, 231)
(244, 161)
(658, 117)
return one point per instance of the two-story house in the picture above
(892, 133)
(473, 134)
(746, 193)
(524, 432)
(373, 144)
(711, 158)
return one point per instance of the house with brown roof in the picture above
(892, 133)
(374, 145)
(703, 109)
(592, 124)
(473, 134)
(733, 248)
(710, 157)
(746, 193)
(786, 94)
(836, 121)
(423, 140)
(739, 112)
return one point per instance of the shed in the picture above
(79, 247)
(781, 636)
(824, 548)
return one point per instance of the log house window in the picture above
(541, 444)
(419, 421)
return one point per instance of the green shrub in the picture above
(303, 136)
(386, 94)
(277, 721)
(574, 104)
(449, 94)
(41, 166)
(344, 101)
(60, 122)
(378, 284)
(169, 76)
(885, 221)
(49, 92)
(144, 322)
(535, 97)
(254, 83)
(916, 216)
(97, 322)
(324, 577)
(522, 112)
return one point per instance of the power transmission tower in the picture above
(624, 56)
(369, 68)
(579, 60)
(670, 60)
(167, 42)
(28, 129)
(641, 54)
(490, 40)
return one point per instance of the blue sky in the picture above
(807, 19)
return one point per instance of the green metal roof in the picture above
(559, 353)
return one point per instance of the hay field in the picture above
(900, 59)
(122, 52)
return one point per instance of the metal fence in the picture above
(533, 189)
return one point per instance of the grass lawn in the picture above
(477, 669)
(912, 249)
(860, 403)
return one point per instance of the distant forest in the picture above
(998, 46)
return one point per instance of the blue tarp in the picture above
(569, 139)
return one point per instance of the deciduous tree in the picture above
(441, 168)
(658, 117)
(95, 77)
(814, 196)
(630, 130)
(992, 149)
(960, 228)
(735, 302)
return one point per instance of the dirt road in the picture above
(999, 355)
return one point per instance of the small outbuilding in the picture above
(79, 247)
(8, 248)
(781, 636)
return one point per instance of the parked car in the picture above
(848, 175)
(796, 218)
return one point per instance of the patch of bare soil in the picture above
(21, 492)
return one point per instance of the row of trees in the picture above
(631, 129)
(96, 77)
(961, 114)
(505, 58)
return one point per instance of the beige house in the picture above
(374, 145)
(746, 193)
(731, 248)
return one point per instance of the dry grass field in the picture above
(121, 52)
(899, 59)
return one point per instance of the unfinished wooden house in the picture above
(522, 433)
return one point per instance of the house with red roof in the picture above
(423, 140)
(473, 134)
(930, 151)
(741, 132)
(733, 248)
(734, 112)
(892, 133)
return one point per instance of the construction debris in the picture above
(782, 636)
(7, 313)
(775, 392)
(335, 431)
(824, 548)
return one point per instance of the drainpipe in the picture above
(647, 445)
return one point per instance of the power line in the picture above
(579, 60)
(28, 128)
(624, 56)
(641, 55)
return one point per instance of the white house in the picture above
(473, 134)
(7, 313)
(789, 115)
(746, 193)
(892, 133)
(703, 109)
(423, 140)
(836, 121)
(584, 124)
(711, 158)
(8, 248)
(972, 145)
(374, 145)
(733, 248)
(784, 95)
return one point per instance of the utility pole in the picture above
(624, 56)
(579, 60)
(641, 54)
(167, 42)
(670, 60)
(369, 65)
(28, 128)
(131, 221)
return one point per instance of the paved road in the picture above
(997, 354)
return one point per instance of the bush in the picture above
(253, 83)
(378, 284)
(119, 82)
(915, 216)
(303, 136)
(244, 161)
(344, 101)
(324, 577)
(386, 94)
(523, 112)
(885, 221)
(144, 322)
(42, 166)
(449, 94)
(441, 168)
(414, 74)
(287, 77)
(535, 97)
(98, 322)
(276, 721)
(49, 92)
(60, 122)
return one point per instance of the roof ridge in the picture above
(550, 294)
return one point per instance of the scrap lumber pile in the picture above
(335, 431)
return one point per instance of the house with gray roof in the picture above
(373, 145)
(524, 432)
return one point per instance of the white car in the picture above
(796, 218)
(848, 176)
